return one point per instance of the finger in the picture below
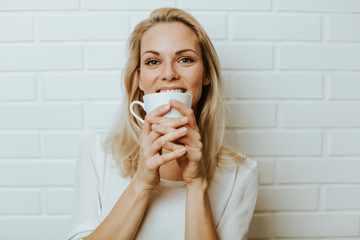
(148, 122)
(158, 130)
(146, 127)
(159, 111)
(186, 111)
(167, 157)
(150, 138)
(171, 146)
(169, 137)
(161, 129)
(192, 137)
(170, 122)
(148, 135)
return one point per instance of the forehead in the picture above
(169, 37)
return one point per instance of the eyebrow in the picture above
(176, 53)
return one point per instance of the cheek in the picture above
(196, 84)
(146, 79)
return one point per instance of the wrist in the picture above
(198, 185)
(139, 187)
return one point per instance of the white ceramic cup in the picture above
(154, 100)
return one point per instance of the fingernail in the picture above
(183, 119)
(167, 106)
(151, 118)
(183, 130)
(181, 150)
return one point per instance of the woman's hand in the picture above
(191, 162)
(151, 143)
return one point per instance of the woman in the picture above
(169, 178)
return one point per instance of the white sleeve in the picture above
(239, 210)
(87, 205)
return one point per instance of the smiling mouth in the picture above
(180, 90)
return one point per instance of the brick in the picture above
(128, 5)
(19, 202)
(319, 5)
(59, 201)
(68, 28)
(39, 5)
(316, 225)
(321, 115)
(63, 145)
(41, 116)
(319, 57)
(344, 87)
(226, 86)
(214, 25)
(279, 143)
(342, 28)
(37, 173)
(277, 27)
(17, 145)
(226, 5)
(102, 115)
(42, 227)
(10, 90)
(251, 115)
(345, 142)
(279, 198)
(342, 197)
(22, 58)
(136, 18)
(299, 86)
(260, 226)
(15, 29)
(321, 171)
(230, 140)
(266, 169)
(245, 56)
(107, 56)
(81, 86)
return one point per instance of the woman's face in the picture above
(170, 59)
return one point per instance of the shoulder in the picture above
(248, 169)
(243, 170)
(233, 185)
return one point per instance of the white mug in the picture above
(154, 100)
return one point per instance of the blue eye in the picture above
(186, 60)
(152, 62)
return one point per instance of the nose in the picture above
(169, 72)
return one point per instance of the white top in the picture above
(99, 185)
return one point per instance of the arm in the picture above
(199, 223)
(124, 219)
(199, 219)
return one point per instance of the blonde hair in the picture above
(123, 140)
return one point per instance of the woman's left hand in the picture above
(191, 163)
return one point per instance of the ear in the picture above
(139, 80)
(206, 81)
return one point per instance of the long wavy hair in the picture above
(123, 139)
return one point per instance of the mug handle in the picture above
(132, 111)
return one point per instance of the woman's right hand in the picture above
(147, 176)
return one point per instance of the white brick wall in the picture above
(292, 82)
